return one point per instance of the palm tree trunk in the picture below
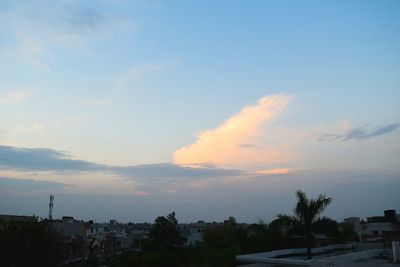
(309, 241)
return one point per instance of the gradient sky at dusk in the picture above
(132, 109)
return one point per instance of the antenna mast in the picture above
(51, 205)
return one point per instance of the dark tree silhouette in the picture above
(165, 233)
(29, 244)
(221, 243)
(345, 232)
(306, 219)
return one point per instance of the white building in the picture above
(194, 232)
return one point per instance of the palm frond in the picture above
(321, 203)
(302, 206)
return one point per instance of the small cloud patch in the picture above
(360, 133)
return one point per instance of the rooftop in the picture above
(333, 255)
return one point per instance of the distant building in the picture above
(194, 232)
(376, 225)
(372, 230)
(18, 218)
(74, 235)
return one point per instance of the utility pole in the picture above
(51, 205)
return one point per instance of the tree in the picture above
(345, 232)
(163, 249)
(29, 244)
(306, 220)
(221, 243)
(165, 233)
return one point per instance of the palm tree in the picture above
(306, 219)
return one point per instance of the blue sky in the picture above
(164, 103)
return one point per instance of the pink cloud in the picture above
(223, 146)
(273, 171)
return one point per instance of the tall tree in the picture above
(165, 233)
(306, 219)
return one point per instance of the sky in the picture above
(129, 110)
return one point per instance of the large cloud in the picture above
(42, 159)
(228, 144)
(50, 160)
(52, 165)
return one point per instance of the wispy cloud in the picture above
(139, 71)
(97, 103)
(273, 171)
(230, 143)
(38, 30)
(81, 19)
(34, 128)
(30, 50)
(34, 52)
(248, 145)
(361, 133)
(14, 97)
